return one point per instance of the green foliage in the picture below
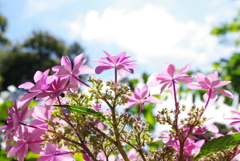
(3, 156)
(79, 109)
(219, 144)
(78, 157)
(133, 83)
(3, 27)
(226, 28)
(44, 43)
(74, 49)
(21, 66)
(31, 156)
(145, 77)
(3, 24)
(148, 115)
(4, 112)
(229, 69)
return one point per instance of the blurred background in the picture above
(34, 34)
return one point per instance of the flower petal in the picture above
(26, 85)
(122, 72)
(234, 122)
(99, 69)
(238, 113)
(184, 69)
(144, 92)
(153, 99)
(65, 61)
(200, 77)
(154, 82)
(129, 104)
(197, 86)
(85, 69)
(221, 83)
(212, 128)
(106, 53)
(163, 87)
(184, 78)
(224, 92)
(78, 58)
(169, 69)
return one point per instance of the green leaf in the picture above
(78, 157)
(145, 78)
(79, 109)
(133, 83)
(219, 144)
(157, 96)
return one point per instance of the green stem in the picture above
(117, 135)
(140, 146)
(104, 135)
(118, 143)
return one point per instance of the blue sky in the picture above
(151, 31)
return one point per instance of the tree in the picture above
(40, 51)
(3, 27)
(229, 69)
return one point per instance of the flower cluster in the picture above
(67, 121)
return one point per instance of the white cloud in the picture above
(141, 31)
(74, 27)
(150, 32)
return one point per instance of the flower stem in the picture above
(83, 82)
(39, 128)
(115, 82)
(181, 141)
(210, 93)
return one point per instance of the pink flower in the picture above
(237, 119)
(119, 62)
(140, 97)
(24, 140)
(166, 139)
(169, 77)
(71, 71)
(40, 115)
(203, 129)
(210, 83)
(46, 87)
(15, 118)
(101, 156)
(192, 148)
(53, 153)
(236, 158)
(55, 88)
(41, 84)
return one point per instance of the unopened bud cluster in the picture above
(162, 153)
(108, 92)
